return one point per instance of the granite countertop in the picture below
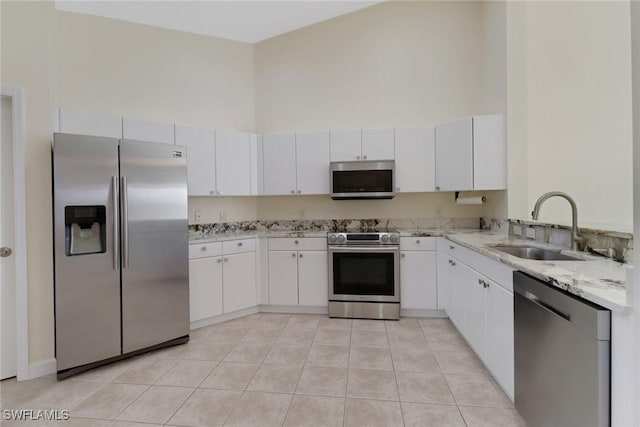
(596, 279)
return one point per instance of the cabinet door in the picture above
(89, 123)
(279, 163)
(443, 267)
(454, 156)
(418, 280)
(475, 322)
(489, 153)
(239, 281)
(377, 144)
(283, 277)
(201, 157)
(346, 145)
(233, 163)
(312, 162)
(458, 279)
(313, 280)
(147, 130)
(205, 288)
(415, 159)
(500, 339)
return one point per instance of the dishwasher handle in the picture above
(537, 301)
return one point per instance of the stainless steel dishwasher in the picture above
(562, 357)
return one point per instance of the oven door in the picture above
(364, 273)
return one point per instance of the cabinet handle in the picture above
(452, 262)
(293, 191)
(481, 282)
(437, 188)
(357, 157)
(300, 255)
(397, 189)
(204, 248)
(293, 255)
(212, 192)
(299, 191)
(486, 284)
(219, 192)
(239, 243)
(452, 247)
(364, 157)
(226, 259)
(296, 242)
(418, 241)
(402, 255)
(219, 260)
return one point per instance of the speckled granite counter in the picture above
(596, 279)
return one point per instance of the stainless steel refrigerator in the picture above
(121, 273)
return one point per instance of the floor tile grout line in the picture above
(395, 378)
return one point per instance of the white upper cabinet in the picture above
(147, 130)
(454, 156)
(233, 163)
(201, 155)
(255, 141)
(415, 159)
(89, 123)
(471, 154)
(346, 145)
(489, 153)
(377, 144)
(312, 162)
(279, 163)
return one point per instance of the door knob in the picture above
(5, 252)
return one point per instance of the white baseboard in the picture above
(223, 317)
(293, 309)
(412, 312)
(41, 368)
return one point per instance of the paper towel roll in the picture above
(471, 200)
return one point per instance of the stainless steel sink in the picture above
(539, 254)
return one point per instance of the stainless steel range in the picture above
(364, 275)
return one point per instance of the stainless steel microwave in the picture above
(371, 179)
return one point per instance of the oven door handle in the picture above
(364, 248)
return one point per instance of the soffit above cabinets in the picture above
(244, 21)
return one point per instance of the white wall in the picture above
(393, 64)
(570, 95)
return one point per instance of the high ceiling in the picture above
(245, 21)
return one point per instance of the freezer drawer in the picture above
(562, 357)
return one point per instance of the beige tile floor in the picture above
(284, 370)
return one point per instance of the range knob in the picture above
(385, 238)
(394, 238)
(332, 238)
(341, 238)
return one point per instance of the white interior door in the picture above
(8, 363)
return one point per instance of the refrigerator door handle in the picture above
(125, 223)
(115, 213)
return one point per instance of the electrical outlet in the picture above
(517, 230)
(301, 214)
(198, 217)
(223, 216)
(531, 232)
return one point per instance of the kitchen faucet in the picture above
(575, 238)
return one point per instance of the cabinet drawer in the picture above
(205, 250)
(238, 246)
(298, 244)
(417, 243)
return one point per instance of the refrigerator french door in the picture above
(120, 248)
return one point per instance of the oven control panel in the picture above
(368, 238)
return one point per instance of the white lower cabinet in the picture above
(298, 272)
(222, 278)
(418, 280)
(482, 310)
(205, 288)
(283, 277)
(239, 281)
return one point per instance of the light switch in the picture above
(197, 217)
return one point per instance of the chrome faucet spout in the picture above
(575, 237)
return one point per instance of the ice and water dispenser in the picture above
(85, 231)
